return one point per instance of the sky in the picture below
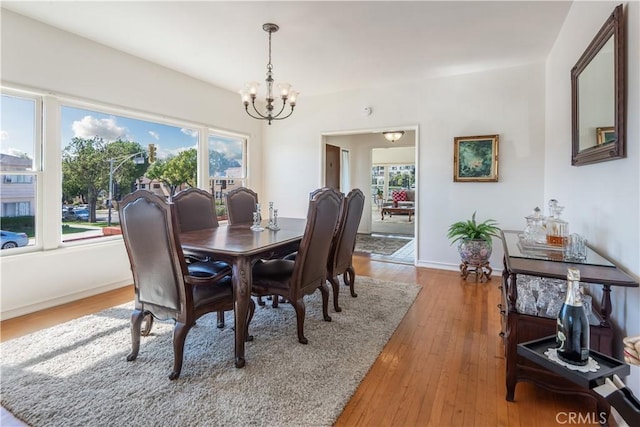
(17, 126)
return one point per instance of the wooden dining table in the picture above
(241, 247)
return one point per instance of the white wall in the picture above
(394, 155)
(507, 102)
(602, 200)
(41, 57)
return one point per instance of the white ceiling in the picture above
(322, 47)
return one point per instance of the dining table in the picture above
(242, 247)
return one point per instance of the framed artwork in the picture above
(605, 135)
(475, 158)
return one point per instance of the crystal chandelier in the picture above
(249, 93)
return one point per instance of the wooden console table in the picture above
(519, 327)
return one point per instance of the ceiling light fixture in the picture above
(394, 135)
(249, 93)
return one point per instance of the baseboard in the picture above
(451, 267)
(42, 305)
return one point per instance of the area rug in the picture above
(76, 374)
(378, 245)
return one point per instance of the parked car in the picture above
(13, 240)
(75, 214)
(81, 214)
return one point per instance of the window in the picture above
(106, 156)
(227, 167)
(20, 148)
(103, 155)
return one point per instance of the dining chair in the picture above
(196, 210)
(241, 204)
(344, 240)
(165, 286)
(293, 279)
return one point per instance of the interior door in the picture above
(332, 167)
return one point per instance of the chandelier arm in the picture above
(259, 116)
(282, 118)
(253, 103)
(284, 103)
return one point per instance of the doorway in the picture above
(399, 230)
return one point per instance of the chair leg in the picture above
(350, 279)
(252, 309)
(336, 293)
(220, 319)
(324, 290)
(147, 324)
(260, 302)
(275, 300)
(136, 322)
(180, 332)
(300, 312)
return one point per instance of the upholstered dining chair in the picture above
(165, 287)
(293, 279)
(196, 210)
(241, 204)
(344, 241)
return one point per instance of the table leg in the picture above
(242, 293)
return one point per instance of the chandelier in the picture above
(286, 94)
(393, 136)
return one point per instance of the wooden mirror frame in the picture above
(613, 27)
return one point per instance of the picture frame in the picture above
(475, 158)
(605, 135)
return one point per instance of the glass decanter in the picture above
(535, 231)
(557, 229)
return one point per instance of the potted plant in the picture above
(475, 239)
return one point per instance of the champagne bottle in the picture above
(572, 326)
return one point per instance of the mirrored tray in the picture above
(532, 246)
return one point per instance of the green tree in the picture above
(176, 170)
(85, 168)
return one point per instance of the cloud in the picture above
(106, 129)
(192, 133)
(154, 135)
(4, 134)
(230, 149)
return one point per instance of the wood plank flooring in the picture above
(444, 365)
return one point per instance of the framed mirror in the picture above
(598, 88)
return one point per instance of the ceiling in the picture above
(322, 47)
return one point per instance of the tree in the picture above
(85, 168)
(176, 170)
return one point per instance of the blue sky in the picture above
(17, 130)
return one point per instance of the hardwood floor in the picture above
(444, 365)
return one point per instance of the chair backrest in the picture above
(344, 240)
(310, 267)
(157, 262)
(195, 209)
(241, 204)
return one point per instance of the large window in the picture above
(95, 155)
(106, 156)
(20, 165)
(227, 167)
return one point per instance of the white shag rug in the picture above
(76, 373)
